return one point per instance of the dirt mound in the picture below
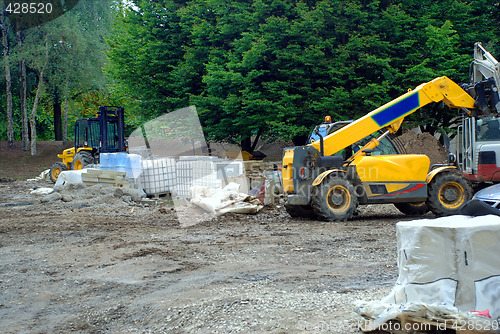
(15, 164)
(424, 143)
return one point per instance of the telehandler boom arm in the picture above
(392, 114)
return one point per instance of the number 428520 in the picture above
(29, 8)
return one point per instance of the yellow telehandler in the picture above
(330, 186)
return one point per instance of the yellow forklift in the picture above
(93, 136)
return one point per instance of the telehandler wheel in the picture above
(447, 193)
(82, 159)
(412, 209)
(300, 211)
(55, 170)
(334, 199)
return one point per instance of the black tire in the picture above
(56, 169)
(412, 209)
(447, 193)
(334, 199)
(82, 159)
(300, 211)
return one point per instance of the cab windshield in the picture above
(488, 128)
(323, 131)
(385, 147)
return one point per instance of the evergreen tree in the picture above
(275, 68)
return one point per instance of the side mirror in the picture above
(452, 158)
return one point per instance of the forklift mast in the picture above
(104, 133)
(112, 123)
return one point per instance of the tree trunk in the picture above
(24, 102)
(8, 80)
(33, 113)
(37, 99)
(256, 140)
(249, 146)
(246, 145)
(24, 108)
(57, 116)
(65, 117)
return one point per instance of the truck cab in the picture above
(478, 150)
(478, 135)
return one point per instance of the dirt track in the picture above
(107, 264)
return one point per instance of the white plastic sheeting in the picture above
(450, 262)
(443, 316)
(70, 177)
(44, 176)
(42, 191)
(227, 199)
(203, 171)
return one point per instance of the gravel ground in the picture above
(92, 260)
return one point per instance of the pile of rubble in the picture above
(80, 195)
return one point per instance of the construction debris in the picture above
(42, 191)
(421, 317)
(44, 176)
(225, 200)
(70, 177)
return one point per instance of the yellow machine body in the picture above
(392, 168)
(389, 176)
(287, 171)
(68, 155)
(93, 136)
(309, 170)
(393, 177)
(390, 116)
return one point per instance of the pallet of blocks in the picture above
(257, 169)
(106, 177)
(415, 324)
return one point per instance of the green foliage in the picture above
(75, 59)
(273, 67)
(146, 54)
(279, 67)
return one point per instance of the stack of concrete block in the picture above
(257, 169)
(106, 177)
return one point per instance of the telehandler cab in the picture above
(387, 146)
(93, 136)
(318, 182)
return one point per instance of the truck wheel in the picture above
(447, 193)
(300, 211)
(55, 170)
(334, 199)
(82, 159)
(412, 209)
